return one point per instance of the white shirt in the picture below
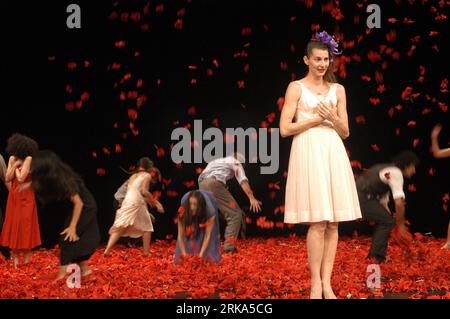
(224, 169)
(394, 178)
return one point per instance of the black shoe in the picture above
(231, 251)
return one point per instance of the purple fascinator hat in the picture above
(329, 40)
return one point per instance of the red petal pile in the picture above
(263, 268)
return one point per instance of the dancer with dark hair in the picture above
(320, 187)
(132, 218)
(20, 231)
(121, 192)
(374, 188)
(198, 227)
(440, 153)
(54, 181)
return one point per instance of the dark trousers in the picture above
(372, 210)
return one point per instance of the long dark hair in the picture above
(52, 179)
(21, 146)
(314, 44)
(193, 225)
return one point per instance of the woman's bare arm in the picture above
(180, 238)
(24, 170)
(438, 152)
(209, 227)
(13, 163)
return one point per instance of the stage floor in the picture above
(263, 268)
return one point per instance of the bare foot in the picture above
(16, 261)
(446, 246)
(61, 273)
(58, 277)
(85, 271)
(316, 291)
(328, 293)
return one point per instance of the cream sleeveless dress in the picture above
(133, 214)
(320, 183)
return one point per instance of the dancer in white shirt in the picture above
(214, 179)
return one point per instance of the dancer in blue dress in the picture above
(198, 227)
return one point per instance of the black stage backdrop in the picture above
(162, 64)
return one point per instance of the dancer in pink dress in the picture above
(132, 218)
(320, 188)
